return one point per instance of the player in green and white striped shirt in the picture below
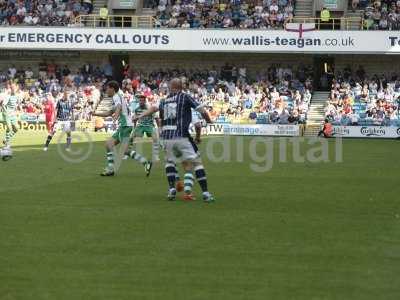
(122, 135)
(145, 126)
(9, 107)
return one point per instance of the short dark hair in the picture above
(114, 85)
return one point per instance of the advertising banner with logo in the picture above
(300, 40)
(253, 130)
(80, 125)
(26, 126)
(367, 131)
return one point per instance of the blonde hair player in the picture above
(176, 116)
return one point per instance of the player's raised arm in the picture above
(149, 112)
(204, 114)
(199, 108)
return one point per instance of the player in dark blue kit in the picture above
(176, 116)
(64, 116)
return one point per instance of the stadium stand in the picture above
(356, 99)
(269, 14)
(278, 96)
(237, 14)
(42, 12)
(378, 15)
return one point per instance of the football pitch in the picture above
(311, 230)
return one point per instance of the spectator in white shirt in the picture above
(161, 7)
(185, 24)
(380, 94)
(275, 95)
(242, 72)
(28, 19)
(12, 71)
(176, 9)
(274, 7)
(21, 10)
(28, 73)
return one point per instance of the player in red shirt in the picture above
(49, 112)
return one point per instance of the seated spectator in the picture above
(88, 6)
(327, 129)
(274, 117)
(28, 73)
(284, 117)
(253, 115)
(354, 4)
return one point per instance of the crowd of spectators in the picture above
(42, 12)
(379, 14)
(84, 87)
(357, 99)
(280, 95)
(264, 14)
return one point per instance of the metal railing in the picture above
(133, 21)
(333, 23)
(124, 21)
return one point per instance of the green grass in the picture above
(299, 231)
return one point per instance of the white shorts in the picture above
(181, 149)
(64, 126)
